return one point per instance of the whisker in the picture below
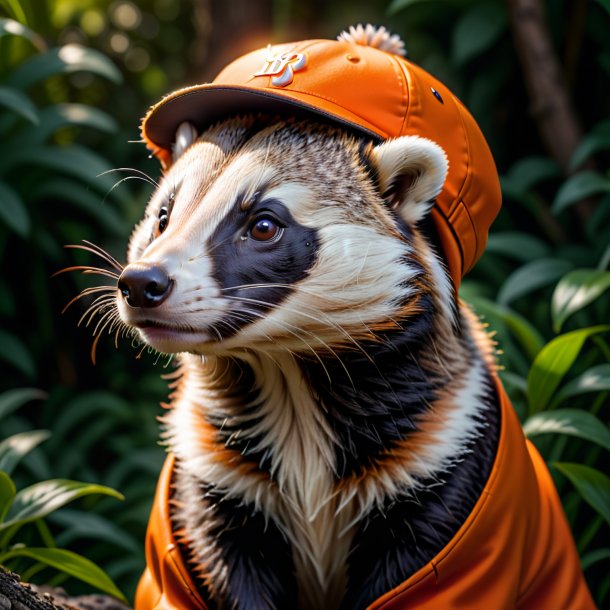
(87, 269)
(87, 292)
(98, 251)
(142, 175)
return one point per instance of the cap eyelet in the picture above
(437, 95)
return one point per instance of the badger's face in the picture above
(287, 235)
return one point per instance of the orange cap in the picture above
(370, 91)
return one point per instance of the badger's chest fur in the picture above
(333, 416)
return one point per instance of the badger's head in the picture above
(284, 235)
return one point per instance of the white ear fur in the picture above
(186, 134)
(411, 172)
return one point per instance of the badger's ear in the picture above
(186, 134)
(411, 172)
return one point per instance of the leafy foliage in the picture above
(31, 505)
(542, 284)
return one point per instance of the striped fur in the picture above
(333, 415)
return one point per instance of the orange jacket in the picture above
(514, 550)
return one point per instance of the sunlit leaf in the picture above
(7, 494)
(578, 187)
(13, 211)
(477, 30)
(519, 246)
(10, 27)
(532, 276)
(57, 116)
(553, 362)
(19, 103)
(593, 485)
(14, 351)
(15, 447)
(63, 60)
(72, 564)
(572, 422)
(11, 400)
(43, 498)
(597, 139)
(576, 290)
(594, 379)
(530, 171)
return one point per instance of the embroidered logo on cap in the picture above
(281, 67)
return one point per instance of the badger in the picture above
(337, 434)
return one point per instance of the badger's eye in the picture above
(265, 228)
(163, 219)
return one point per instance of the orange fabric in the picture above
(371, 91)
(515, 549)
(166, 583)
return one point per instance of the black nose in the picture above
(144, 285)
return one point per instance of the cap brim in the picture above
(204, 105)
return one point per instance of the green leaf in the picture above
(477, 30)
(579, 187)
(593, 485)
(529, 172)
(529, 338)
(553, 362)
(576, 290)
(573, 422)
(83, 198)
(10, 27)
(13, 211)
(7, 494)
(57, 116)
(11, 400)
(520, 246)
(595, 379)
(398, 5)
(72, 564)
(597, 139)
(604, 260)
(76, 161)
(13, 448)
(63, 60)
(19, 103)
(79, 525)
(605, 4)
(43, 498)
(593, 557)
(14, 351)
(532, 276)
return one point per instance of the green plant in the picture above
(55, 190)
(543, 283)
(32, 505)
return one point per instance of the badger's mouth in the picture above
(171, 338)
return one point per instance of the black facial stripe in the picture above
(258, 276)
(402, 536)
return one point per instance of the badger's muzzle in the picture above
(144, 285)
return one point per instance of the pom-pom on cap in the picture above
(363, 83)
